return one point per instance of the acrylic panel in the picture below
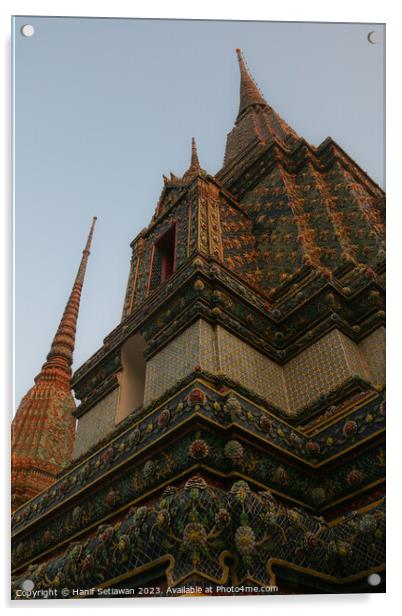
(199, 277)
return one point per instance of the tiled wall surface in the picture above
(324, 366)
(209, 356)
(195, 346)
(243, 363)
(373, 350)
(96, 423)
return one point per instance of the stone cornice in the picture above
(363, 297)
(230, 411)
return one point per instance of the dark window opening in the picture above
(164, 258)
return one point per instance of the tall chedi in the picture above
(313, 209)
(43, 428)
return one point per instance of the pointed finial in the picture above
(195, 163)
(91, 232)
(60, 356)
(249, 92)
(86, 251)
(195, 166)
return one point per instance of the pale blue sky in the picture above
(104, 107)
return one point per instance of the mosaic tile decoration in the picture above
(96, 423)
(318, 369)
(195, 346)
(373, 350)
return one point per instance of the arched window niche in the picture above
(163, 258)
(132, 377)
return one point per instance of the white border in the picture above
(291, 10)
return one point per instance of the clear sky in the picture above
(104, 107)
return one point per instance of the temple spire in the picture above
(249, 92)
(60, 356)
(195, 163)
(257, 123)
(195, 166)
(175, 182)
(43, 428)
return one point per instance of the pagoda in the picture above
(43, 428)
(230, 431)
